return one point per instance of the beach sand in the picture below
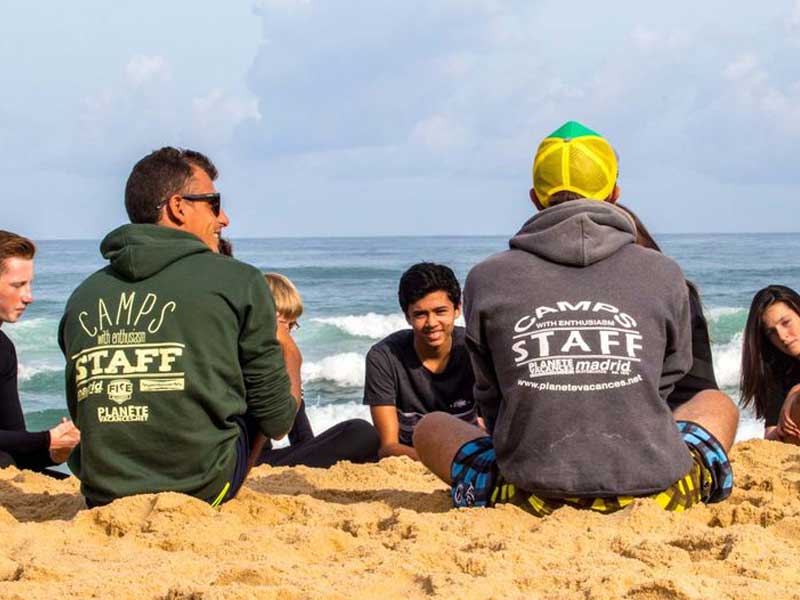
(386, 531)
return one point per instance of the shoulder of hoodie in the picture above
(489, 265)
(226, 270)
(228, 273)
(653, 261)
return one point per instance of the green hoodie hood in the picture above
(138, 251)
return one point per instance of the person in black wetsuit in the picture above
(19, 447)
(354, 440)
(771, 362)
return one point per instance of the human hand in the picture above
(63, 438)
(786, 425)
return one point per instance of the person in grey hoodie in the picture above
(577, 336)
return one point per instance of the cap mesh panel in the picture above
(591, 167)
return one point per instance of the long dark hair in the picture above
(764, 367)
(643, 238)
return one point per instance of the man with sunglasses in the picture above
(173, 366)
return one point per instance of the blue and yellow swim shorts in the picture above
(477, 481)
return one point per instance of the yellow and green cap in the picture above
(574, 158)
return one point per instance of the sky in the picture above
(350, 118)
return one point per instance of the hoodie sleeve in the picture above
(678, 349)
(266, 381)
(487, 389)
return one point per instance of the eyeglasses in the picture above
(214, 200)
(289, 324)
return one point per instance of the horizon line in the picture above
(428, 236)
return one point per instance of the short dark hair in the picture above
(14, 246)
(158, 176)
(424, 278)
(564, 196)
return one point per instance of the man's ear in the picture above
(535, 200)
(173, 210)
(614, 195)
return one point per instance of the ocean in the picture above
(349, 287)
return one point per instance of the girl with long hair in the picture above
(770, 379)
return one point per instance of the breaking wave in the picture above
(370, 325)
(346, 369)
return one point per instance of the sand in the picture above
(387, 531)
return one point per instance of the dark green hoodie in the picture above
(164, 347)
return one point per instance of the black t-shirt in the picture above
(701, 376)
(29, 450)
(396, 377)
(781, 390)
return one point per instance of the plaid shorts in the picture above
(477, 481)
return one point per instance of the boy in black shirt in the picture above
(19, 447)
(425, 369)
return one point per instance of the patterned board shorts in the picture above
(477, 481)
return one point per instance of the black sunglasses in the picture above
(213, 199)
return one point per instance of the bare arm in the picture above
(294, 361)
(292, 357)
(385, 420)
(787, 429)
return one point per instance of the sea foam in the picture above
(346, 369)
(34, 335)
(27, 372)
(749, 428)
(324, 416)
(370, 325)
(727, 362)
(716, 312)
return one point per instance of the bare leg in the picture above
(255, 450)
(714, 411)
(437, 439)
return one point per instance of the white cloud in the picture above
(440, 133)
(760, 97)
(645, 38)
(216, 115)
(793, 23)
(146, 108)
(281, 4)
(142, 70)
(745, 67)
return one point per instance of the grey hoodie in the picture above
(577, 336)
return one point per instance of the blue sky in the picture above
(382, 118)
